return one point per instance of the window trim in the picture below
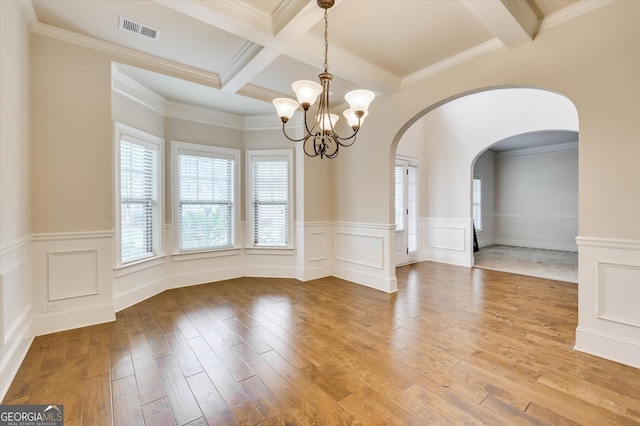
(154, 142)
(177, 148)
(250, 231)
(478, 178)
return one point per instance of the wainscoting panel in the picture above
(16, 329)
(317, 246)
(619, 293)
(73, 274)
(72, 280)
(364, 255)
(364, 250)
(314, 250)
(609, 296)
(446, 240)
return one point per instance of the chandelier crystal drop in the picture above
(321, 138)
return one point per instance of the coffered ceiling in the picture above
(236, 55)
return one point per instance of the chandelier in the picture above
(321, 138)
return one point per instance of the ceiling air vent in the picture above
(129, 25)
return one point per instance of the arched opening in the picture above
(448, 137)
(525, 205)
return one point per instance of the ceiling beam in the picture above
(292, 20)
(513, 22)
(283, 33)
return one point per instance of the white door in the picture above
(406, 208)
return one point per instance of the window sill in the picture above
(140, 265)
(196, 255)
(277, 251)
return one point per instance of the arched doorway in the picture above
(525, 205)
(447, 138)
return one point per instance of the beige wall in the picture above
(14, 129)
(71, 136)
(593, 60)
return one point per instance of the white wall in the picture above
(536, 201)
(16, 332)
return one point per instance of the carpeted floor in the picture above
(552, 264)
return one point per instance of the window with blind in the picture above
(269, 191)
(139, 215)
(205, 186)
(477, 203)
(412, 207)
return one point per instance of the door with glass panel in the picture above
(406, 211)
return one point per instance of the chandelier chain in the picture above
(326, 41)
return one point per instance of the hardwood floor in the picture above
(453, 346)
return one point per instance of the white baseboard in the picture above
(310, 274)
(269, 271)
(608, 346)
(138, 294)
(13, 353)
(367, 280)
(449, 258)
(74, 318)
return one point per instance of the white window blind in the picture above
(138, 200)
(399, 201)
(270, 195)
(412, 201)
(205, 197)
(477, 204)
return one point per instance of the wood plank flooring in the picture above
(453, 346)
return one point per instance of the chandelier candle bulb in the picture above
(320, 138)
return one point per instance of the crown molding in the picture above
(203, 115)
(264, 122)
(135, 91)
(258, 93)
(284, 13)
(479, 50)
(567, 146)
(29, 13)
(254, 16)
(550, 21)
(570, 12)
(170, 67)
(239, 62)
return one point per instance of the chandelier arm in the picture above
(310, 132)
(284, 131)
(305, 145)
(351, 138)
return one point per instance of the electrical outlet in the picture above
(50, 307)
